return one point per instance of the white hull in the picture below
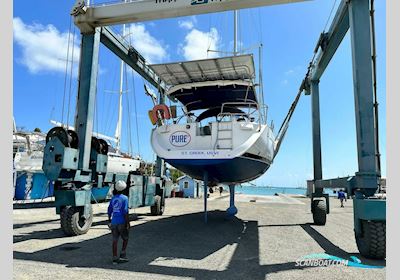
(29, 162)
(33, 163)
(231, 152)
(117, 164)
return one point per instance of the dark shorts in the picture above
(119, 230)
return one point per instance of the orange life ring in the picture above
(163, 110)
(152, 119)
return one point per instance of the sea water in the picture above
(267, 190)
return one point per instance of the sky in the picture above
(43, 85)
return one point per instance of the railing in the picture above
(264, 113)
(253, 108)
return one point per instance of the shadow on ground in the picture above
(32, 205)
(178, 237)
(35, 223)
(56, 233)
(328, 246)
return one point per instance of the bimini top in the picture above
(208, 83)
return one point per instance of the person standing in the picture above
(167, 173)
(342, 196)
(118, 218)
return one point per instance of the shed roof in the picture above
(180, 178)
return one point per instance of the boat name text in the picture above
(197, 153)
(180, 138)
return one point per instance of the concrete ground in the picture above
(263, 242)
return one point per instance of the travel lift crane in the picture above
(369, 208)
(74, 159)
(77, 161)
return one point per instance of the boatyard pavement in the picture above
(263, 241)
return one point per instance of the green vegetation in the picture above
(175, 174)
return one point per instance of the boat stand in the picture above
(232, 210)
(205, 180)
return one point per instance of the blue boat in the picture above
(33, 186)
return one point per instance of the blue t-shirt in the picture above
(118, 208)
(341, 195)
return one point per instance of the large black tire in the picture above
(73, 223)
(319, 211)
(158, 207)
(63, 220)
(372, 242)
(162, 207)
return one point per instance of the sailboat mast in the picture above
(119, 124)
(235, 15)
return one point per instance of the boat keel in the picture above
(232, 210)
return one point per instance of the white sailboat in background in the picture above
(29, 179)
(28, 150)
(28, 157)
(119, 162)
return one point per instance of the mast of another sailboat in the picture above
(235, 17)
(119, 123)
(118, 130)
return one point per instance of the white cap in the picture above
(120, 185)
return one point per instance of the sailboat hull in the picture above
(242, 158)
(236, 170)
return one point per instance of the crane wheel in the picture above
(319, 211)
(73, 223)
(372, 243)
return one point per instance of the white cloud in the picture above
(197, 43)
(148, 46)
(188, 23)
(44, 48)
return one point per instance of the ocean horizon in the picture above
(272, 190)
